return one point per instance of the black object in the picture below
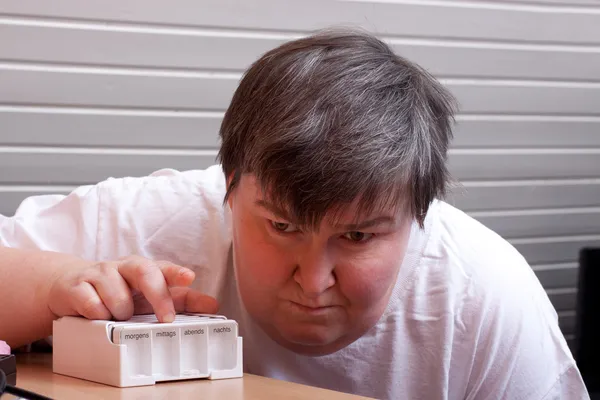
(587, 330)
(8, 378)
(8, 364)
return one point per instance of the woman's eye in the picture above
(283, 227)
(358, 236)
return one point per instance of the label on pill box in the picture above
(135, 336)
(168, 334)
(193, 331)
(221, 329)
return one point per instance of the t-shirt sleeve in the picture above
(170, 215)
(567, 386)
(521, 352)
(64, 223)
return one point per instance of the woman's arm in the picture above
(25, 280)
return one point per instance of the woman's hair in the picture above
(337, 118)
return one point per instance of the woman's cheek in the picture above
(367, 279)
(264, 262)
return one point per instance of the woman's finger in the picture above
(113, 291)
(87, 303)
(189, 300)
(184, 299)
(146, 277)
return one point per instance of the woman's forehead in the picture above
(365, 206)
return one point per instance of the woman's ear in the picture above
(231, 180)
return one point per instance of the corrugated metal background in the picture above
(90, 90)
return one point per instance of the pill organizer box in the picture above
(142, 351)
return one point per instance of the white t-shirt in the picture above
(467, 318)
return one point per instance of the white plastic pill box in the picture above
(142, 351)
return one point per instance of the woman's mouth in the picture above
(311, 309)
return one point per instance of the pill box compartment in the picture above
(142, 351)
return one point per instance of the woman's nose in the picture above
(315, 273)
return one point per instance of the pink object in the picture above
(4, 348)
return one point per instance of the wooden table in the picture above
(34, 372)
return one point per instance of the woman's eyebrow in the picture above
(273, 209)
(280, 213)
(368, 224)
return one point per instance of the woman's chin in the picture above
(308, 340)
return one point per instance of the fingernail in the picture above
(170, 317)
(186, 273)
